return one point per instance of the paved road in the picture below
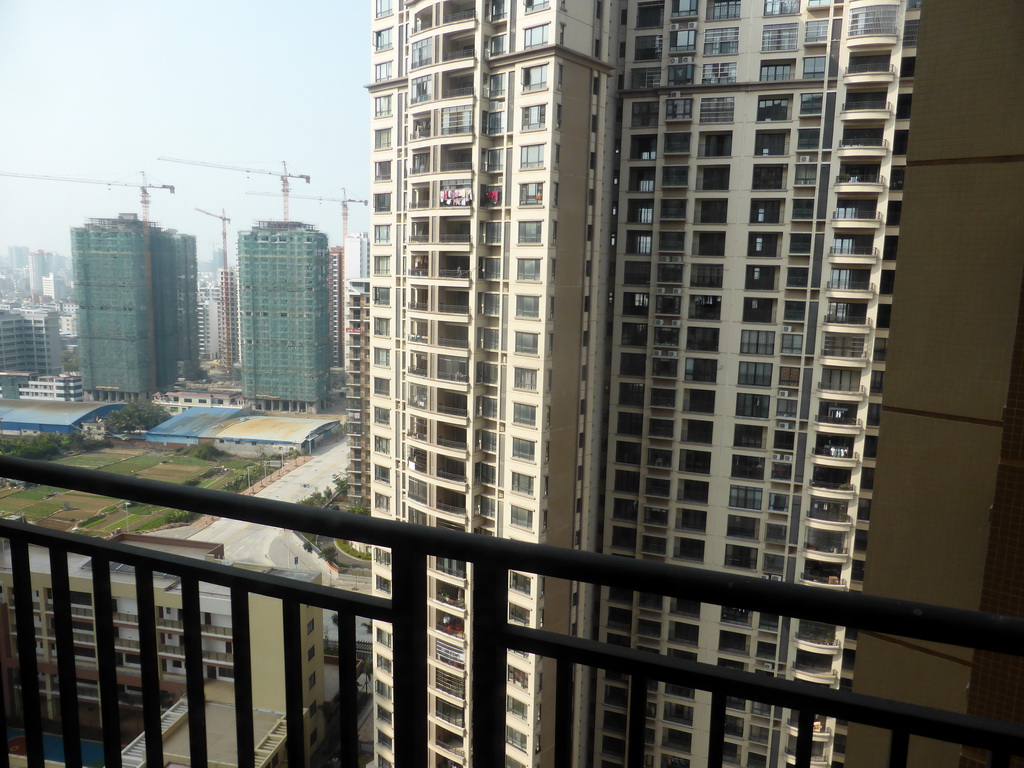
(254, 543)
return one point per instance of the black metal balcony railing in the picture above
(492, 560)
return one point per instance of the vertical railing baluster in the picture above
(899, 748)
(71, 731)
(804, 738)
(409, 619)
(637, 723)
(564, 712)
(488, 614)
(106, 661)
(716, 729)
(27, 667)
(294, 683)
(348, 695)
(241, 654)
(150, 659)
(192, 636)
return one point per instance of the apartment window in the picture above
(523, 449)
(647, 48)
(765, 211)
(674, 176)
(811, 103)
(421, 53)
(757, 343)
(522, 484)
(381, 356)
(814, 67)
(748, 436)
(772, 71)
(718, 109)
(768, 143)
(752, 406)
(701, 369)
(683, 41)
(535, 36)
(383, 8)
(745, 497)
(382, 387)
(755, 374)
(535, 78)
(526, 343)
(678, 109)
(382, 297)
(781, 7)
(679, 74)
(816, 31)
(772, 108)
(531, 156)
(382, 138)
(644, 114)
(780, 37)
(705, 307)
(910, 33)
(531, 193)
(721, 40)
(650, 15)
(534, 117)
(536, 5)
(382, 445)
(769, 177)
(874, 20)
(723, 9)
(710, 243)
(529, 234)
(525, 415)
(719, 72)
(382, 106)
(805, 175)
(382, 474)
(528, 306)
(382, 202)
(684, 8)
(382, 71)
(706, 275)
(713, 211)
(702, 339)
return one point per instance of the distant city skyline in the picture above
(101, 92)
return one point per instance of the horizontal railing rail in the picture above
(492, 560)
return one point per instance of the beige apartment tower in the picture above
(492, 146)
(632, 271)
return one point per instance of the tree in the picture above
(137, 416)
(69, 360)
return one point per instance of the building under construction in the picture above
(135, 285)
(283, 312)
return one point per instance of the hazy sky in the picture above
(101, 88)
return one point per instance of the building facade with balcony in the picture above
(492, 160)
(357, 399)
(218, 662)
(748, 223)
(763, 148)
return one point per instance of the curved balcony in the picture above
(821, 730)
(869, 74)
(817, 580)
(873, 148)
(842, 394)
(833, 490)
(851, 288)
(813, 674)
(849, 254)
(835, 456)
(848, 218)
(847, 322)
(828, 521)
(876, 38)
(829, 555)
(848, 183)
(866, 110)
(818, 643)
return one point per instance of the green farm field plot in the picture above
(103, 516)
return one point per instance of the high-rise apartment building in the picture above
(763, 149)
(689, 205)
(227, 318)
(492, 149)
(283, 316)
(357, 255)
(357, 399)
(135, 285)
(30, 341)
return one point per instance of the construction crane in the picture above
(144, 187)
(223, 231)
(340, 288)
(283, 175)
